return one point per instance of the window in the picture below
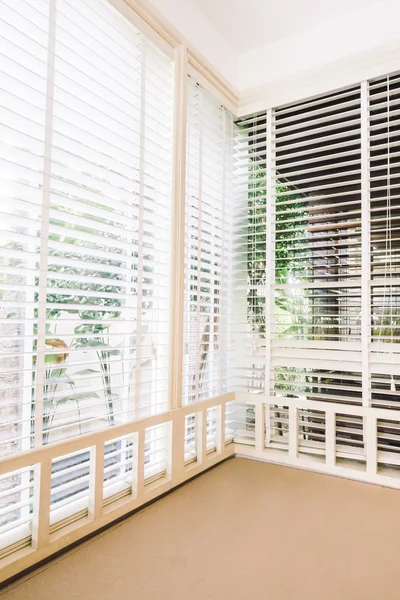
(316, 240)
(317, 265)
(251, 253)
(86, 153)
(209, 190)
(384, 183)
(291, 287)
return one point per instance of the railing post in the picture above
(293, 432)
(259, 426)
(41, 504)
(371, 441)
(203, 429)
(221, 428)
(96, 482)
(199, 437)
(177, 448)
(135, 461)
(140, 462)
(330, 438)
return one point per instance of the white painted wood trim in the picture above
(157, 28)
(45, 544)
(279, 458)
(41, 458)
(337, 75)
(327, 78)
(212, 82)
(178, 230)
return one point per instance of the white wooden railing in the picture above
(38, 538)
(238, 424)
(334, 455)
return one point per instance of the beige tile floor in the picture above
(244, 530)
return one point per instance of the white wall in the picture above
(202, 34)
(361, 31)
(344, 50)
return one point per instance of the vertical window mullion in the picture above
(178, 232)
(140, 273)
(220, 317)
(206, 227)
(270, 256)
(230, 184)
(365, 248)
(44, 231)
(198, 374)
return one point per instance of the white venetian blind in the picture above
(307, 256)
(207, 246)
(298, 268)
(23, 68)
(384, 174)
(316, 262)
(316, 229)
(251, 253)
(86, 152)
(384, 177)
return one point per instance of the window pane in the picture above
(85, 242)
(209, 191)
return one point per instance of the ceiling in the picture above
(249, 24)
